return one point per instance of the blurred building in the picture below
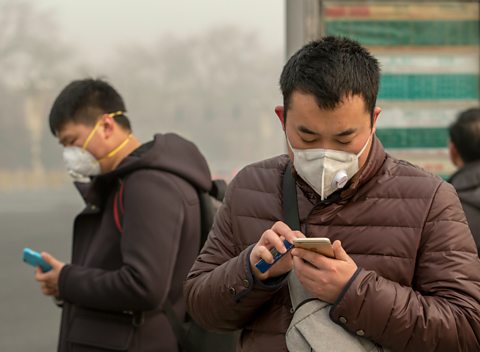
(429, 53)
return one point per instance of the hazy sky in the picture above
(93, 25)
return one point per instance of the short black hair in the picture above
(465, 134)
(331, 69)
(82, 100)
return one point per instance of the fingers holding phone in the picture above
(271, 249)
(320, 245)
(324, 275)
(48, 279)
(48, 287)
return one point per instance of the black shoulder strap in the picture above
(177, 327)
(219, 187)
(207, 209)
(289, 200)
(206, 216)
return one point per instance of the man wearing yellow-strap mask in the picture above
(79, 161)
(138, 235)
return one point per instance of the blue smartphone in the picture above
(263, 266)
(35, 259)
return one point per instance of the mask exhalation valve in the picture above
(340, 179)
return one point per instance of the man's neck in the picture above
(131, 144)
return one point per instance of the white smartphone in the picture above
(321, 245)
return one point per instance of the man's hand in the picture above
(273, 238)
(49, 280)
(322, 276)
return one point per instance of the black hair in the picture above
(331, 69)
(81, 101)
(465, 134)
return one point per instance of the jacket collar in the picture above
(467, 177)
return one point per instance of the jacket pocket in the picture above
(100, 330)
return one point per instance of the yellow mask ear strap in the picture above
(115, 114)
(90, 136)
(117, 149)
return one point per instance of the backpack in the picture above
(190, 336)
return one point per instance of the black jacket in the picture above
(116, 286)
(467, 183)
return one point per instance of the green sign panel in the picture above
(401, 32)
(413, 138)
(429, 86)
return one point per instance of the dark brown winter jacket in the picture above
(418, 283)
(116, 285)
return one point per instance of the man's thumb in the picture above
(49, 259)
(339, 251)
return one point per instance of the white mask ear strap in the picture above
(288, 142)
(365, 146)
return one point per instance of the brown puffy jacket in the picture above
(418, 283)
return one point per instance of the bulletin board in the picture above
(429, 55)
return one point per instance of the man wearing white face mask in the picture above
(139, 233)
(81, 164)
(405, 273)
(326, 170)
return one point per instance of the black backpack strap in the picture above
(219, 187)
(289, 200)
(207, 208)
(206, 216)
(176, 325)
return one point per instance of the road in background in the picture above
(41, 220)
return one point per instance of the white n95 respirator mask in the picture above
(326, 170)
(80, 162)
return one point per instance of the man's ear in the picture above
(280, 111)
(376, 113)
(108, 125)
